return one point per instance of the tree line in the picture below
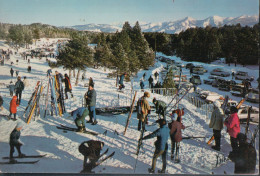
(234, 43)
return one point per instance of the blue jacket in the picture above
(121, 80)
(14, 137)
(78, 112)
(162, 137)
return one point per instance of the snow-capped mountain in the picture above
(174, 26)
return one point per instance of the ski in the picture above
(240, 103)
(193, 137)
(130, 114)
(140, 141)
(76, 130)
(105, 152)
(20, 162)
(46, 100)
(103, 159)
(26, 156)
(32, 97)
(248, 119)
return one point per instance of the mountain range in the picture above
(172, 27)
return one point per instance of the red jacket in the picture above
(175, 125)
(233, 125)
(13, 105)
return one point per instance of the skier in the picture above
(12, 72)
(25, 82)
(143, 109)
(160, 107)
(176, 135)
(156, 74)
(79, 116)
(14, 141)
(19, 86)
(233, 75)
(1, 103)
(90, 82)
(150, 80)
(161, 145)
(17, 72)
(13, 107)
(142, 85)
(233, 128)
(216, 122)
(90, 150)
(90, 98)
(144, 76)
(121, 81)
(68, 87)
(11, 88)
(245, 159)
(29, 69)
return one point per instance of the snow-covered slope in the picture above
(174, 26)
(42, 137)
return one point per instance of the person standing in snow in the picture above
(160, 107)
(233, 128)
(68, 87)
(12, 72)
(11, 88)
(25, 82)
(156, 74)
(19, 87)
(150, 82)
(161, 145)
(79, 116)
(90, 98)
(29, 68)
(14, 141)
(216, 123)
(142, 85)
(121, 81)
(13, 107)
(1, 103)
(90, 82)
(176, 135)
(143, 109)
(90, 150)
(144, 75)
(17, 72)
(245, 158)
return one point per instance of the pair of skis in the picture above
(23, 162)
(66, 128)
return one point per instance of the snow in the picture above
(41, 136)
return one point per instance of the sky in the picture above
(78, 12)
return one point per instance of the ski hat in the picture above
(217, 103)
(147, 94)
(19, 124)
(233, 109)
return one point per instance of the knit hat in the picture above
(19, 124)
(147, 94)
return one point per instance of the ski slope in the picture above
(42, 137)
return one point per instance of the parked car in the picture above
(199, 70)
(243, 113)
(237, 90)
(217, 81)
(189, 65)
(226, 85)
(195, 79)
(240, 75)
(220, 72)
(253, 96)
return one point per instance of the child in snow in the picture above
(13, 107)
(11, 88)
(90, 150)
(79, 116)
(14, 141)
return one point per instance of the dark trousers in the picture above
(234, 144)
(158, 153)
(18, 147)
(80, 121)
(217, 137)
(13, 114)
(19, 96)
(141, 125)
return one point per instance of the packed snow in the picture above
(41, 136)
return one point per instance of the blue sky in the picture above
(75, 12)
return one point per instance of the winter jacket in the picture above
(216, 121)
(1, 101)
(13, 105)
(14, 137)
(142, 84)
(143, 108)
(245, 159)
(78, 112)
(160, 106)
(67, 84)
(11, 87)
(26, 83)
(91, 98)
(176, 128)
(121, 80)
(162, 137)
(12, 71)
(150, 80)
(233, 125)
(90, 149)
(19, 86)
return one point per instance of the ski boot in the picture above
(161, 171)
(21, 155)
(12, 161)
(94, 123)
(89, 121)
(150, 170)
